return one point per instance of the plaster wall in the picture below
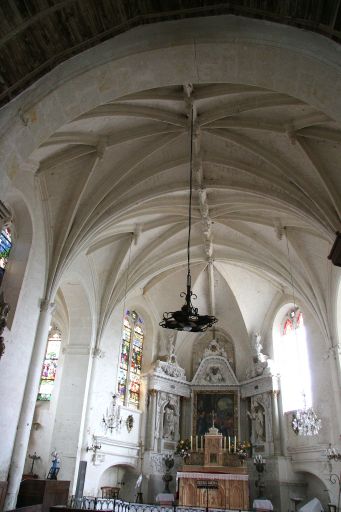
(66, 432)
(19, 340)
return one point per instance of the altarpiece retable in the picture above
(243, 410)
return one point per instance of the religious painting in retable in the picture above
(225, 408)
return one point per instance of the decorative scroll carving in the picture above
(214, 349)
(170, 368)
(156, 463)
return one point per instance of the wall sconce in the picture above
(333, 453)
(94, 447)
(112, 419)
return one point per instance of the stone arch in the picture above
(120, 475)
(21, 225)
(316, 486)
(74, 374)
(152, 60)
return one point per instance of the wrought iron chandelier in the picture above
(188, 318)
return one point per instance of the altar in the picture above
(225, 487)
(214, 485)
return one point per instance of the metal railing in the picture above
(117, 505)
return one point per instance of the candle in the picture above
(235, 444)
(196, 443)
(229, 444)
(191, 443)
(224, 443)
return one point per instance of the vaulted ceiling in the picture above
(265, 206)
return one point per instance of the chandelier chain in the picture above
(190, 199)
(290, 269)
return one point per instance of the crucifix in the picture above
(34, 457)
(213, 418)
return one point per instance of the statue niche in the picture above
(257, 417)
(169, 423)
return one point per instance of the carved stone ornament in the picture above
(215, 370)
(262, 364)
(214, 349)
(170, 368)
(156, 463)
(4, 310)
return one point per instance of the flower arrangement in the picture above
(243, 448)
(183, 448)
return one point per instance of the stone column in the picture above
(150, 441)
(28, 405)
(275, 423)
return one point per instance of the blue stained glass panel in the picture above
(5, 249)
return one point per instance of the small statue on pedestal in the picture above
(55, 467)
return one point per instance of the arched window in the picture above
(129, 378)
(292, 358)
(48, 373)
(5, 249)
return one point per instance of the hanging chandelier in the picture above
(188, 318)
(305, 422)
(112, 419)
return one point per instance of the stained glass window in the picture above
(48, 374)
(129, 376)
(292, 356)
(5, 249)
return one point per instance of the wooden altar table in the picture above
(231, 489)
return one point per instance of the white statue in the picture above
(257, 417)
(262, 364)
(169, 423)
(259, 425)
